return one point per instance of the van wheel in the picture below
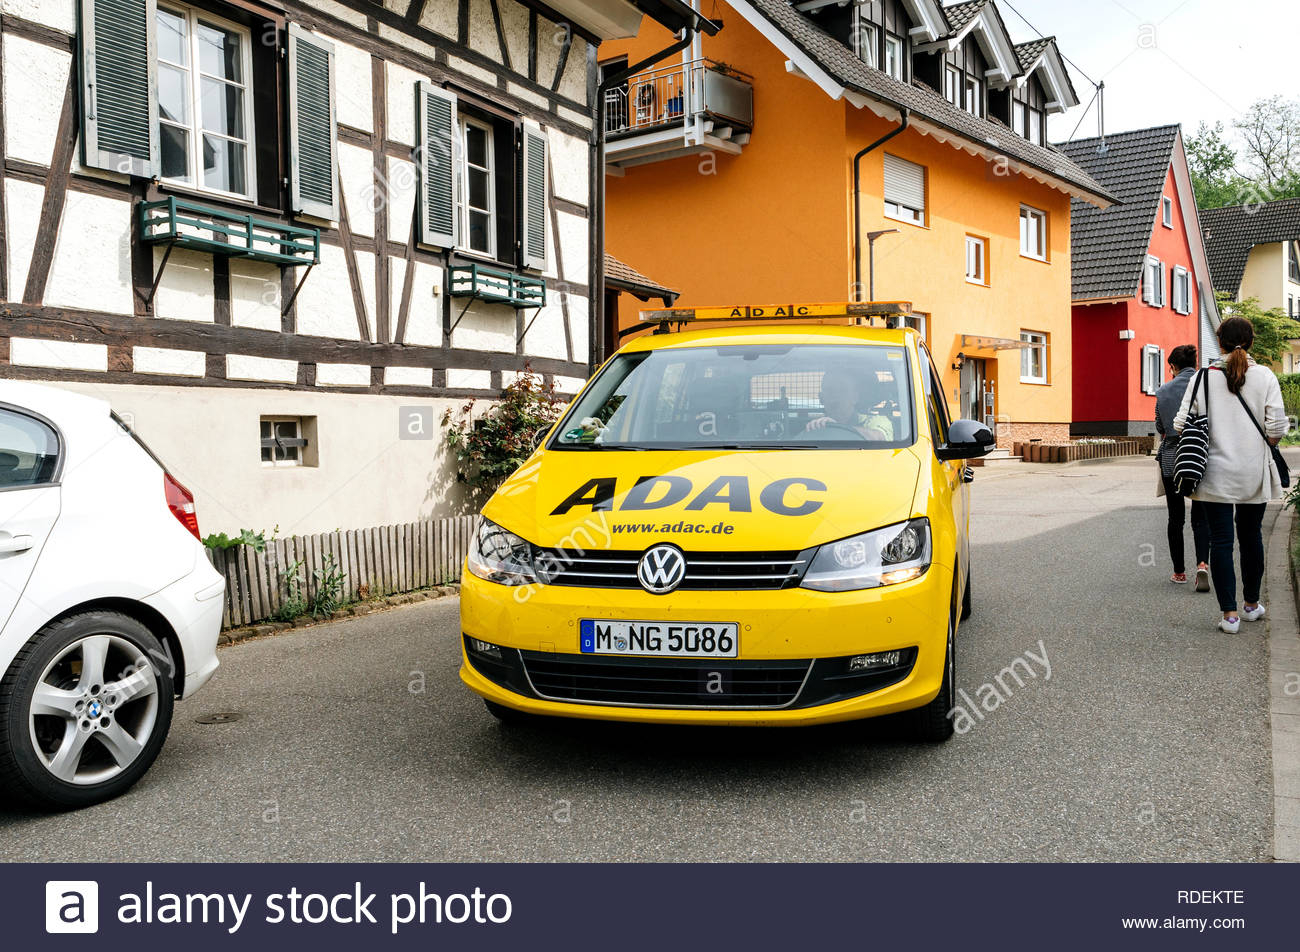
(84, 711)
(965, 598)
(507, 715)
(932, 723)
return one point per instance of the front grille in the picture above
(705, 571)
(665, 682)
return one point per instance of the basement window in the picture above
(288, 441)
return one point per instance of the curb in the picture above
(1284, 698)
(234, 636)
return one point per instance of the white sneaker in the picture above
(1230, 627)
(1253, 614)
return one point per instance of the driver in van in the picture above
(840, 399)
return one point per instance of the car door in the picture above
(30, 460)
(954, 471)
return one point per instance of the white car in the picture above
(109, 608)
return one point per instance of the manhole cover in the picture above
(225, 717)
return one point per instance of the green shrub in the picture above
(1290, 393)
(329, 588)
(295, 601)
(256, 541)
(492, 446)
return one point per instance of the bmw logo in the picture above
(95, 709)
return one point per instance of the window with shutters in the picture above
(1182, 290)
(1153, 368)
(1033, 233)
(1153, 282)
(1167, 212)
(478, 222)
(205, 110)
(904, 190)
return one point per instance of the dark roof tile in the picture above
(1231, 232)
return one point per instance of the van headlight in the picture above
(496, 555)
(888, 556)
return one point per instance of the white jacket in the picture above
(1240, 468)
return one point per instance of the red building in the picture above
(1141, 279)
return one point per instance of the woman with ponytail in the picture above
(1240, 475)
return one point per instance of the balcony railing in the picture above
(670, 94)
(496, 285)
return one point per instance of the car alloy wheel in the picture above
(94, 709)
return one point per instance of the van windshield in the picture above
(787, 396)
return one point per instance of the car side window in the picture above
(29, 451)
(936, 403)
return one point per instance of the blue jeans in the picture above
(1248, 518)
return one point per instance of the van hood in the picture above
(775, 500)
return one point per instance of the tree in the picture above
(1273, 329)
(1259, 163)
(1213, 164)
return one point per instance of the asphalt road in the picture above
(357, 742)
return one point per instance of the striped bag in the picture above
(1193, 444)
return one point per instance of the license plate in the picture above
(668, 639)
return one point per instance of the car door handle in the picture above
(14, 544)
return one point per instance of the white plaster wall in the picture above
(271, 369)
(357, 171)
(546, 337)
(484, 327)
(469, 379)
(569, 385)
(574, 116)
(440, 16)
(353, 105)
(92, 256)
(35, 80)
(469, 69)
(164, 360)
(359, 452)
(185, 292)
(482, 30)
(324, 305)
(574, 81)
(59, 14)
(514, 21)
(366, 265)
(22, 215)
(400, 190)
(401, 85)
(342, 375)
(550, 40)
(579, 326)
(571, 239)
(569, 167)
(60, 354)
(340, 12)
(424, 320)
(255, 293)
(408, 376)
(527, 95)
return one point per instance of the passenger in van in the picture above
(840, 399)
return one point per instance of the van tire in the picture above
(24, 777)
(933, 723)
(965, 598)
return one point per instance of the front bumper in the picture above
(784, 627)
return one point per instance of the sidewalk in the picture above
(1284, 683)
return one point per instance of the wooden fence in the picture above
(384, 560)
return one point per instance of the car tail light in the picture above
(181, 502)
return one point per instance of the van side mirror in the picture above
(967, 439)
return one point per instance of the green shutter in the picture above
(437, 158)
(534, 196)
(119, 91)
(313, 133)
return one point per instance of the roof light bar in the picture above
(662, 319)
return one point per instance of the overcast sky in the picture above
(1166, 61)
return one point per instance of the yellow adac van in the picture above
(762, 524)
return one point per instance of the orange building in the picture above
(731, 170)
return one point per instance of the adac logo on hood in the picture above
(790, 496)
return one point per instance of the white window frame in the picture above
(977, 253)
(906, 213)
(867, 40)
(954, 81)
(1034, 126)
(896, 57)
(1153, 368)
(192, 16)
(1153, 282)
(1182, 290)
(1030, 214)
(1040, 341)
(973, 95)
(299, 453)
(917, 321)
(1018, 120)
(462, 191)
(1167, 211)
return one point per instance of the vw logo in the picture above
(661, 569)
